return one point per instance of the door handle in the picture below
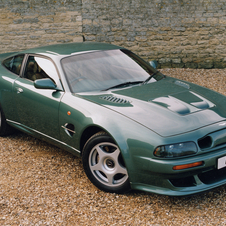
(19, 90)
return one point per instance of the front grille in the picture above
(183, 182)
(208, 177)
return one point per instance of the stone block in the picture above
(208, 64)
(222, 20)
(176, 60)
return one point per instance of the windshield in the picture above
(102, 70)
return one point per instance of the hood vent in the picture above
(114, 99)
(182, 84)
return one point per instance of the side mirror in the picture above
(153, 63)
(45, 83)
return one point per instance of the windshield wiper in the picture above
(149, 78)
(124, 84)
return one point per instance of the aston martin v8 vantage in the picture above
(133, 127)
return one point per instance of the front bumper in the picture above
(158, 176)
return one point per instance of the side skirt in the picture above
(44, 137)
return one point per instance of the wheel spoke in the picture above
(114, 155)
(120, 169)
(97, 166)
(100, 152)
(110, 178)
(97, 159)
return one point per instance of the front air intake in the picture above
(205, 142)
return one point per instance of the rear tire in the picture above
(5, 129)
(104, 165)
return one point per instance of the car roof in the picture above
(71, 48)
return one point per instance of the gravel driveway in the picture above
(43, 185)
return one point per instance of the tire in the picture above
(5, 129)
(104, 165)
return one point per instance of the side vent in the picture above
(114, 99)
(69, 129)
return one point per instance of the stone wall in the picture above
(177, 33)
(29, 23)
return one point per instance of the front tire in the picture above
(104, 165)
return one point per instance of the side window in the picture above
(39, 68)
(14, 63)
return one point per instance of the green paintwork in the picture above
(139, 118)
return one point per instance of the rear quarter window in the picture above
(14, 63)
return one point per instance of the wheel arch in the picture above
(93, 129)
(120, 142)
(89, 132)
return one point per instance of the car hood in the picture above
(167, 107)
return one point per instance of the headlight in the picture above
(176, 150)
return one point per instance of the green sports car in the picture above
(133, 127)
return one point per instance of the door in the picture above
(38, 109)
(10, 71)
